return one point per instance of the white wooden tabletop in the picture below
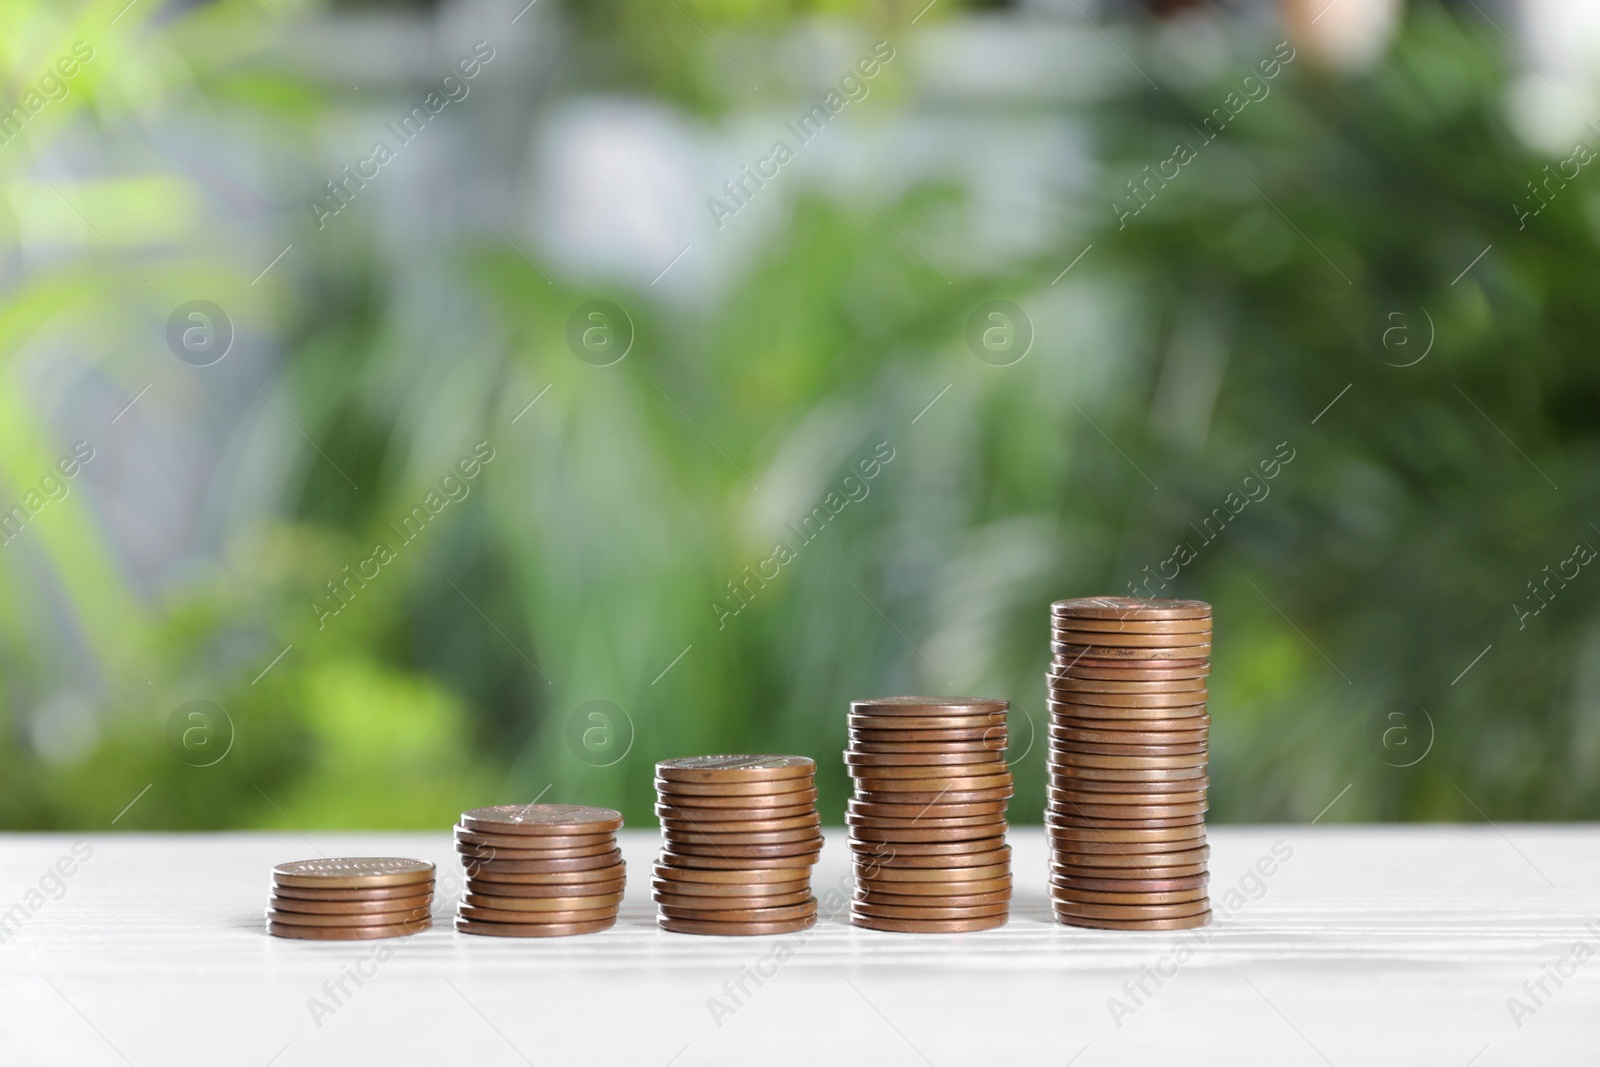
(1366, 945)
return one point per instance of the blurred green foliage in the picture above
(1255, 289)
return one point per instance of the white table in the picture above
(1370, 945)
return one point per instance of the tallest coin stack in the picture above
(1128, 741)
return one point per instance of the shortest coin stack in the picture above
(355, 899)
(539, 870)
(739, 836)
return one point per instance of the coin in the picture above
(784, 787)
(890, 911)
(1077, 848)
(376, 893)
(1063, 873)
(903, 759)
(559, 819)
(1124, 671)
(735, 876)
(1179, 896)
(918, 835)
(926, 771)
(352, 873)
(1133, 885)
(669, 857)
(552, 890)
(789, 913)
(470, 926)
(352, 907)
(867, 864)
(931, 848)
(1133, 763)
(585, 863)
(543, 904)
(875, 809)
(1107, 713)
(1070, 697)
(594, 874)
(347, 933)
(1071, 653)
(928, 926)
(911, 748)
(955, 784)
(531, 841)
(1133, 626)
(965, 874)
(1191, 727)
(678, 827)
(940, 705)
(1198, 748)
(1067, 775)
(1138, 609)
(494, 852)
(804, 847)
(717, 816)
(685, 903)
(901, 900)
(743, 890)
(900, 822)
(1139, 924)
(1157, 790)
(940, 796)
(1131, 860)
(1098, 835)
(953, 887)
(1107, 639)
(770, 837)
(386, 918)
(711, 769)
(1128, 913)
(747, 806)
(500, 915)
(732, 929)
(896, 723)
(1122, 818)
(986, 734)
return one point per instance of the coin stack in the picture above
(356, 899)
(928, 821)
(539, 870)
(739, 837)
(1128, 728)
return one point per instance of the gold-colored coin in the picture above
(928, 926)
(557, 819)
(503, 915)
(790, 913)
(717, 769)
(347, 933)
(362, 872)
(352, 907)
(470, 926)
(551, 890)
(543, 904)
(733, 929)
(385, 918)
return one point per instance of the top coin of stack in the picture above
(740, 835)
(1128, 742)
(350, 899)
(928, 821)
(539, 870)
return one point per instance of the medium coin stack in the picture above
(356, 899)
(739, 837)
(1128, 729)
(928, 821)
(539, 870)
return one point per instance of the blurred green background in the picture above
(1376, 254)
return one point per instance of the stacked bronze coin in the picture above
(539, 870)
(356, 899)
(1128, 729)
(928, 821)
(739, 837)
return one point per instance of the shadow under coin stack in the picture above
(928, 821)
(1128, 729)
(358, 899)
(539, 870)
(739, 837)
